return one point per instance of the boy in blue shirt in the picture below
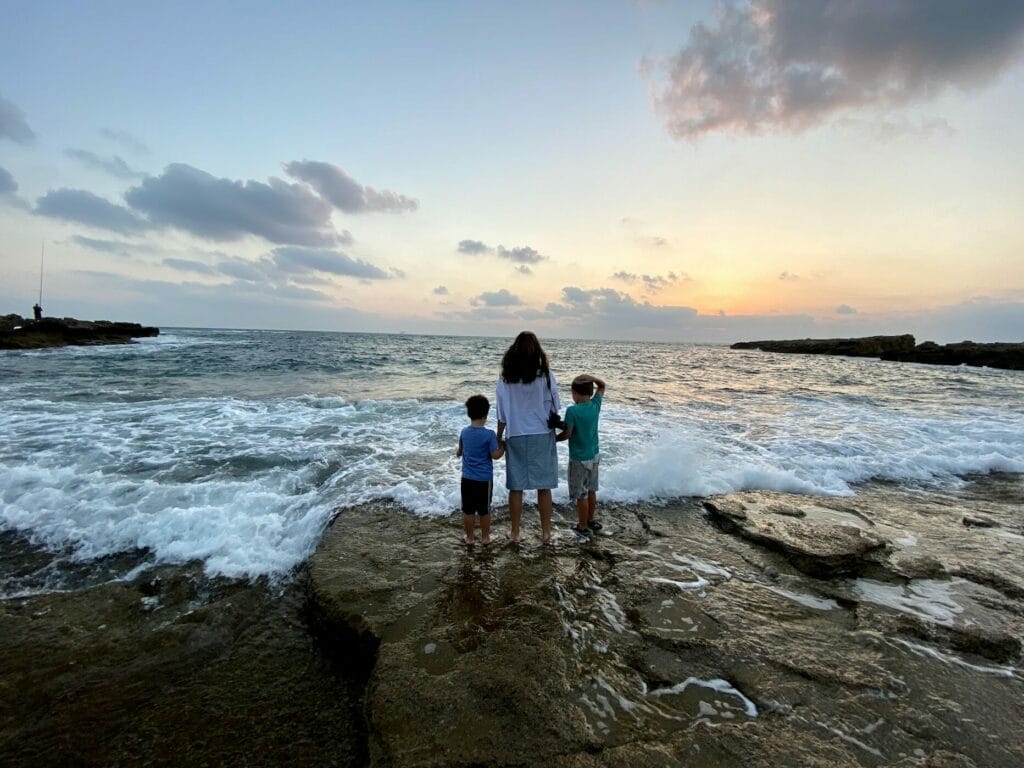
(584, 449)
(478, 445)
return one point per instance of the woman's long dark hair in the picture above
(525, 360)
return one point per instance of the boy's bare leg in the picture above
(591, 506)
(544, 505)
(515, 510)
(485, 529)
(582, 521)
(467, 524)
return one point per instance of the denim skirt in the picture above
(531, 462)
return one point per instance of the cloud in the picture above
(113, 165)
(84, 207)
(126, 140)
(343, 192)
(221, 209)
(617, 309)
(521, 255)
(500, 298)
(441, 290)
(104, 246)
(472, 247)
(190, 265)
(8, 186)
(845, 309)
(522, 269)
(295, 259)
(769, 65)
(789, 277)
(12, 123)
(9, 191)
(651, 283)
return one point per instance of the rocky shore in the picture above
(902, 349)
(17, 332)
(752, 629)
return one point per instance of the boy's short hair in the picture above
(583, 387)
(477, 407)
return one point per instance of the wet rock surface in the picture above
(666, 640)
(17, 332)
(172, 669)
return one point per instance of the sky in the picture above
(670, 170)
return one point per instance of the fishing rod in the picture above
(42, 251)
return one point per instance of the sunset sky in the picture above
(674, 170)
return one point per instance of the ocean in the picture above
(234, 447)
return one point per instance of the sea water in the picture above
(235, 447)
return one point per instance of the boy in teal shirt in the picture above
(584, 449)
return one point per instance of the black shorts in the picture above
(476, 497)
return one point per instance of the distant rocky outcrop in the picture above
(902, 349)
(17, 332)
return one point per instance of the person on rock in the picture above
(478, 447)
(580, 430)
(527, 410)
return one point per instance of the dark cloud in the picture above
(522, 255)
(441, 290)
(845, 309)
(126, 140)
(113, 165)
(295, 259)
(8, 186)
(472, 247)
(190, 265)
(84, 207)
(13, 125)
(344, 192)
(651, 283)
(104, 246)
(501, 298)
(221, 209)
(243, 269)
(522, 269)
(790, 64)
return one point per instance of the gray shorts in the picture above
(531, 462)
(583, 477)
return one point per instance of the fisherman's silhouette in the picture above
(37, 311)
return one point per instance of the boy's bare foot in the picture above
(514, 538)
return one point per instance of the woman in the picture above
(527, 395)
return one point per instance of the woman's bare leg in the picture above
(515, 510)
(544, 505)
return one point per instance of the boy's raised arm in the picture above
(597, 381)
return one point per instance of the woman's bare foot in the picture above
(485, 540)
(468, 540)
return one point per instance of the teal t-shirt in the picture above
(582, 418)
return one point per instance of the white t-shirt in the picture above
(525, 407)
